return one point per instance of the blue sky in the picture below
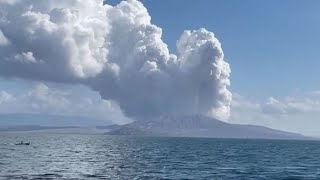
(272, 48)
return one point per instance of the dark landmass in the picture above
(109, 127)
(31, 128)
(56, 124)
(52, 130)
(21, 119)
(187, 126)
(200, 126)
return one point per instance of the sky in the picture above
(271, 47)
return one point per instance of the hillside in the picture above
(200, 126)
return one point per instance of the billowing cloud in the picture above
(117, 52)
(68, 37)
(42, 99)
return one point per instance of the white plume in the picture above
(117, 52)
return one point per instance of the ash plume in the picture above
(117, 51)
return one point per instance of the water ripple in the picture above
(120, 157)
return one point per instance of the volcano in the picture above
(200, 126)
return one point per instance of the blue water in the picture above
(120, 157)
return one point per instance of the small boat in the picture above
(23, 143)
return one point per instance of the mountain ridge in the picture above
(200, 126)
(26, 119)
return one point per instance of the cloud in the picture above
(245, 111)
(5, 97)
(298, 113)
(26, 58)
(116, 51)
(44, 100)
(8, 1)
(273, 108)
(3, 39)
(68, 36)
(292, 105)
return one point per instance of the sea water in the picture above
(124, 157)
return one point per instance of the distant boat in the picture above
(23, 143)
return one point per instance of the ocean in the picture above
(52, 156)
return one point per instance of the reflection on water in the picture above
(120, 157)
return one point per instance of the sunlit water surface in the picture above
(121, 157)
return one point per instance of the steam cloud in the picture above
(117, 52)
